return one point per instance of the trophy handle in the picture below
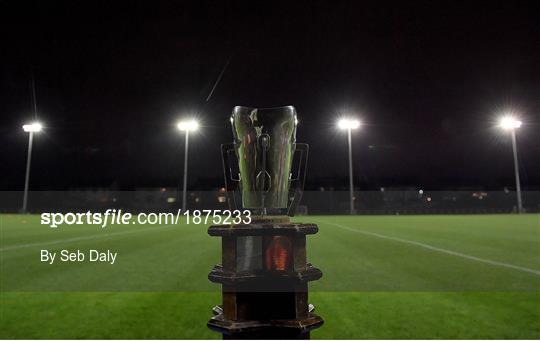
(299, 180)
(228, 149)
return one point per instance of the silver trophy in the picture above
(261, 171)
(264, 270)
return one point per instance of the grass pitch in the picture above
(422, 277)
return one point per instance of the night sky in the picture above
(429, 80)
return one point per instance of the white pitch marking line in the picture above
(438, 249)
(76, 239)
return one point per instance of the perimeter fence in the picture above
(388, 202)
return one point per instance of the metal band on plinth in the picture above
(264, 271)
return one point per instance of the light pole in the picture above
(511, 123)
(31, 128)
(186, 127)
(349, 124)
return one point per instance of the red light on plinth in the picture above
(278, 253)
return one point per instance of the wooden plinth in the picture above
(264, 276)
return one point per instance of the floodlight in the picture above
(509, 122)
(191, 125)
(348, 123)
(33, 127)
(186, 126)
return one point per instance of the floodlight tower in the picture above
(511, 123)
(186, 126)
(349, 124)
(34, 127)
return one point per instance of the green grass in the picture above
(382, 279)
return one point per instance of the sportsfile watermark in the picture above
(113, 216)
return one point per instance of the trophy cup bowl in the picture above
(265, 143)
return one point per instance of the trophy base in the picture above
(264, 276)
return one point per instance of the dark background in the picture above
(428, 78)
